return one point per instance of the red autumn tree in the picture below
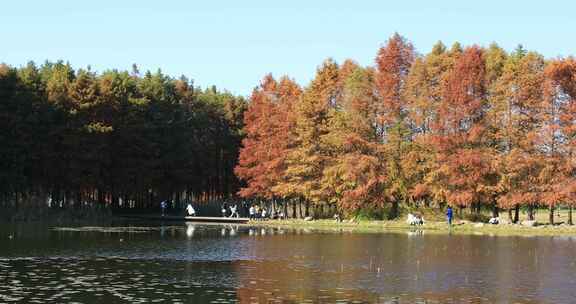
(393, 64)
(268, 122)
(356, 171)
(306, 156)
(282, 140)
(559, 144)
(463, 169)
(256, 147)
(423, 94)
(515, 116)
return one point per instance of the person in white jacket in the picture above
(190, 210)
(252, 212)
(234, 211)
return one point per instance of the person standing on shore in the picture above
(190, 210)
(224, 209)
(252, 211)
(234, 211)
(264, 214)
(163, 207)
(257, 212)
(245, 209)
(449, 215)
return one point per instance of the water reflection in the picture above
(195, 263)
(415, 232)
(190, 228)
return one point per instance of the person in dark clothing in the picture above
(245, 209)
(449, 215)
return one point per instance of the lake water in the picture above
(144, 263)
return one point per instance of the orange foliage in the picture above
(464, 171)
(268, 121)
(461, 126)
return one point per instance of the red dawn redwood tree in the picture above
(256, 146)
(423, 94)
(463, 158)
(558, 180)
(307, 157)
(282, 140)
(356, 172)
(393, 64)
(268, 124)
(515, 116)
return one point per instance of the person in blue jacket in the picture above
(449, 215)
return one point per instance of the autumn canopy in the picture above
(472, 127)
(469, 127)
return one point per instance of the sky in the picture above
(233, 44)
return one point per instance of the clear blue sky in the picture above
(232, 44)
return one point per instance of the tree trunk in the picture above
(294, 209)
(16, 205)
(115, 200)
(307, 212)
(495, 211)
(178, 199)
(516, 213)
(551, 215)
(570, 215)
(100, 198)
(78, 203)
(530, 212)
(394, 211)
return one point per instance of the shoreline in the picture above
(462, 228)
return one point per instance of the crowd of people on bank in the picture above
(235, 210)
(256, 212)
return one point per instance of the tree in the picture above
(424, 92)
(515, 116)
(559, 134)
(393, 64)
(255, 152)
(282, 140)
(307, 157)
(355, 176)
(463, 171)
(117, 139)
(495, 58)
(268, 123)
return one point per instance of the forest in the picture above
(75, 139)
(475, 128)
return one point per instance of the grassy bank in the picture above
(460, 227)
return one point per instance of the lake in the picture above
(151, 263)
